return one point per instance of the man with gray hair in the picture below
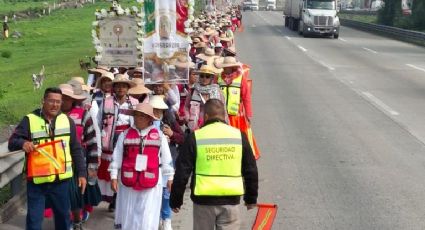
(223, 169)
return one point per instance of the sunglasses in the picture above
(205, 76)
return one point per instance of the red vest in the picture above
(132, 147)
(77, 115)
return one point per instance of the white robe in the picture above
(139, 210)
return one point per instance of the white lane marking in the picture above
(326, 65)
(370, 50)
(287, 37)
(302, 48)
(380, 104)
(342, 39)
(415, 67)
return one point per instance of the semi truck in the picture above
(312, 17)
(271, 5)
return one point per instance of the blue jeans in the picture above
(165, 206)
(57, 194)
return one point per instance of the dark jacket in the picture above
(22, 134)
(185, 166)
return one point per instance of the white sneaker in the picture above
(161, 225)
(166, 224)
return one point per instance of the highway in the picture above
(341, 126)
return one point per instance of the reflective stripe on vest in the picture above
(232, 94)
(218, 161)
(39, 134)
(134, 148)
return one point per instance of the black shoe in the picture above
(77, 226)
(111, 207)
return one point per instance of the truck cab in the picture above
(319, 17)
(271, 5)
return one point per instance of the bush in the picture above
(6, 54)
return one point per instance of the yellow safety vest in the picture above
(218, 161)
(39, 135)
(232, 94)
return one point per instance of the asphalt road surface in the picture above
(341, 126)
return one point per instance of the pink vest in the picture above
(109, 117)
(77, 114)
(183, 94)
(132, 147)
(195, 118)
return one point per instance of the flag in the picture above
(265, 217)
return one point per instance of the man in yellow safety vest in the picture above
(223, 169)
(48, 137)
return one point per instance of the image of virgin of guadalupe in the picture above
(164, 27)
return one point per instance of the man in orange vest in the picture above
(43, 126)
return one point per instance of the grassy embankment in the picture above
(57, 42)
(8, 6)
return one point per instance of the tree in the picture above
(387, 14)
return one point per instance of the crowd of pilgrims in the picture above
(102, 110)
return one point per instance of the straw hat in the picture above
(157, 102)
(209, 31)
(74, 93)
(99, 69)
(105, 75)
(81, 81)
(196, 40)
(200, 45)
(223, 37)
(183, 62)
(207, 69)
(123, 78)
(146, 109)
(208, 55)
(139, 69)
(228, 62)
(139, 88)
(231, 50)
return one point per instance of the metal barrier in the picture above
(11, 164)
(393, 32)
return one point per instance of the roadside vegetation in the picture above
(8, 6)
(391, 15)
(58, 42)
(361, 18)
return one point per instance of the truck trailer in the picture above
(312, 17)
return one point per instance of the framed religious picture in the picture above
(118, 39)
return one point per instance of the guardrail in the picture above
(410, 36)
(11, 164)
(359, 12)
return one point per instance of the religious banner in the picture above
(115, 37)
(165, 41)
(406, 7)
